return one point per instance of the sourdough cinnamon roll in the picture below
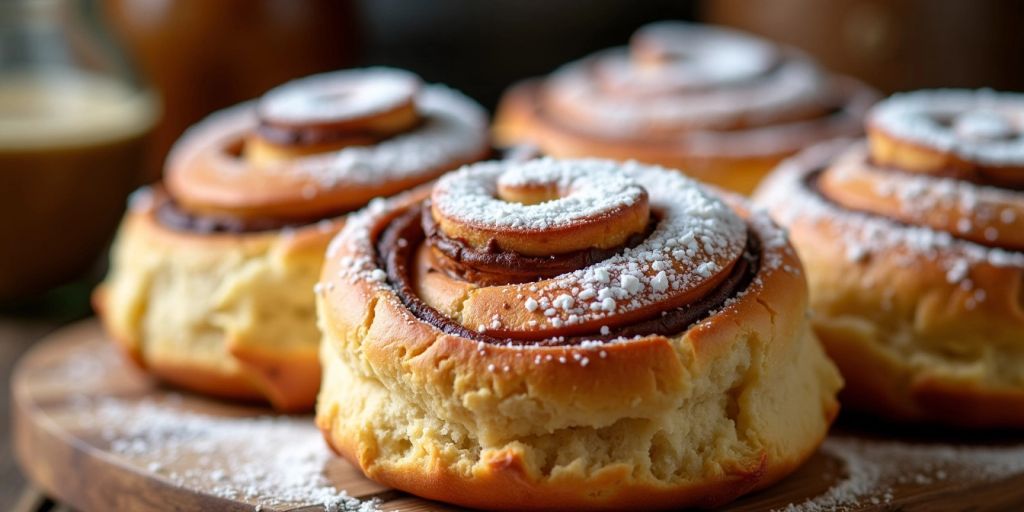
(913, 246)
(722, 105)
(577, 334)
(212, 272)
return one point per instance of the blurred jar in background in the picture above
(73, 127)
(204, 55)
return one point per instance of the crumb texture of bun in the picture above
(722, 105)
(581, 389)
(912, 245)
(212, 274)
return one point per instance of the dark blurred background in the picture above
(481, 47)
(196, 56)
(205, 55)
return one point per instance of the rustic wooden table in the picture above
(22, 325)
(17, 335)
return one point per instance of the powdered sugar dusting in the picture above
(696, 236)
(791, 87)
(982, 126)
(976, 212)
(454, 129)
(157, 435)
(694, 56)
(866, 234)
(701, 77)
(590, 190)
(338, 95)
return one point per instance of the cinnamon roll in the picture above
(577, 334)
(211, 281)
(913, 245)
(722, 105)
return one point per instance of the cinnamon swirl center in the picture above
(332, 111)
(399, 251)
(540, 210)
(690, 247)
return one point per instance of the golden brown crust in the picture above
(229, 165)
(889, 150)
(968, 134)
(260, 151)
(216, 345)
(476, 306)
(499, 308)
(923, 325)
(518, 120)
(504, 484)
(720, 105)
(987, 216)
(204, 179)
(748, 390)
(506, 478)
(211, 283)
(884, 386)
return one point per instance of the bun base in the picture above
(229, 315)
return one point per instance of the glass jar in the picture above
(74, 120)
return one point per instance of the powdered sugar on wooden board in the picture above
(157, 436)
(872, 469)
(271, 462)
(275, 461)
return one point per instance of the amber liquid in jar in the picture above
(71, 146)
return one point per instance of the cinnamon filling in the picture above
(317, 135)
(170, 214)
(494, 266)
(399, 241)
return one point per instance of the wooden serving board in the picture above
(98, 435)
